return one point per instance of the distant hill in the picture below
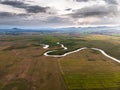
(92, 30)
(70, 30)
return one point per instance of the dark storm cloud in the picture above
(13, 3)
(95, 11)
(56, 20)
(107, 1)
(36, 9)
(7, 18)
(9, 15)
(68, 9)
(28, 8)
(111, 1)
(82, 0)
(6, 14)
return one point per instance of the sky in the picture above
(59, 13)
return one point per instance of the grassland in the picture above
(90, 70)
(24, 67)
(110, 44)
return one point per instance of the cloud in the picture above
(111, 2)
(95, 11)
(9, 18)
(12, 15)
(14, 3)
(6, 14)
(36, 9)
(27, 7)
(56, 19)
(107, 1)
(68, 9)
(82, 0)
(63, 13)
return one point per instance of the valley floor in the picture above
(23, 65)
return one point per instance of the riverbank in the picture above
(65, 48)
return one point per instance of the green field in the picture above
(24, 67)
(88, 70)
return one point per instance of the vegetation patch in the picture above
(88, 71)
(19, 84)
(84, 70)
(91, 60)
(15, 47)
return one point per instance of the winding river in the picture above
(105, 54)
(45, 46)
(65, 48)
